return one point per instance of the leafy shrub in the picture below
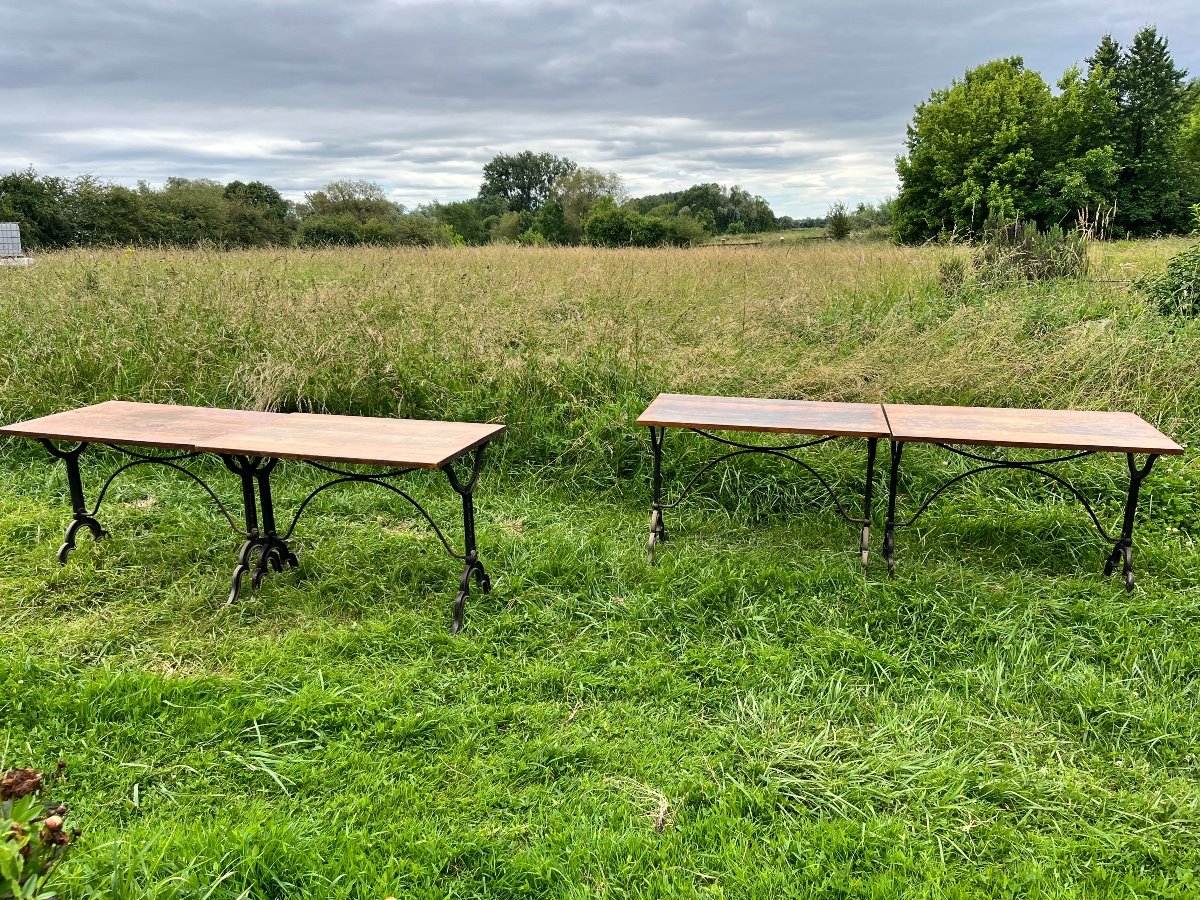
(686, 231)
(326, 231)
(1176, 291)
(837, 222)
(34, 839)
(610, 225)
(1017, 251)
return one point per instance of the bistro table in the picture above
(703, 415)
(1079, 433)
(251, 444)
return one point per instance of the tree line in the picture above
(527, 197)
(1114, 152)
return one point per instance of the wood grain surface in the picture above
(355, 439)
(755, 414)
(139, 424)
(1046, 429)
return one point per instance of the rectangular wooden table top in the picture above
(754, 414)
(402, 443)
(1045, 429)
(160, 425)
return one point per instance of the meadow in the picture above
(749, 718)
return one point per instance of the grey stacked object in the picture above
(10, 246)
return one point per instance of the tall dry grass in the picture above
(565, 345)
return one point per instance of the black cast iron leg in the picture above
(1123, 549)
(276, 553)
(244, 469)
(81, 517)
(658, 532)
(868, 496)
(889, 534)
(262, 476)
(472, 567)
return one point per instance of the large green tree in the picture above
(1000, 145)
(1151, 100)
(976, 150)
(1081, 167)
(1189, 138)
(576, 194)
(523, 180)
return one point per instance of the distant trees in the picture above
(538, 198)
(717, 209)
(39, 205)
(527, 197)
(1000, 145)
(347, 213)
(55, 212)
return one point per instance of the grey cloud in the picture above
(801, 102)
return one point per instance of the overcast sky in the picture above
(802, 102)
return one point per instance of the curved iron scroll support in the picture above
(85, 517)
(1122, 545)
(472, 567)
(658, 434)
(1029, 466)
(171, 462)
(377, 480)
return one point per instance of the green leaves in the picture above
(524, 180)
(999, 145)
(32, 841)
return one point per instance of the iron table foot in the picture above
(473, 569)
(80, 521)
(257, 556)
(658, 534)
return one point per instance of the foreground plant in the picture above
(1176, 292)
(35, 836)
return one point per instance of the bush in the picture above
(610, 225)
(1177, 291)
(1017, 251)
(687, 232)
(326, 231)
(34, 838)
(837, 222)
(507, 228)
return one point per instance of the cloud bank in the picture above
(803, 103)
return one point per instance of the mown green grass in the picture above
(748, 718)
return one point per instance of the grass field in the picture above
(750, 718)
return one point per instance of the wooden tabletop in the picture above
(402, 443)
(139, 424)
(753, 414)
(1046, 429)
